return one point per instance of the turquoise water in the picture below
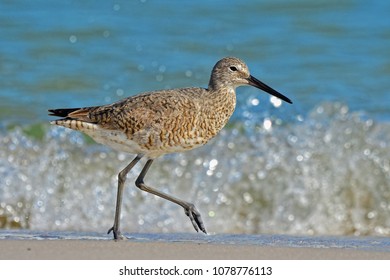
(319, 167)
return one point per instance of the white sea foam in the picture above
(328, 173)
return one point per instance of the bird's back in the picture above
(152, 123)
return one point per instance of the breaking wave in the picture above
(324, 174)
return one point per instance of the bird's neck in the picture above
(219, 105)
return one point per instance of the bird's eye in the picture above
(233, 68)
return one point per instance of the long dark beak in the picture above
(258, 84)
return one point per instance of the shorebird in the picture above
(156, 123)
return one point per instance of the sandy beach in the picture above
(94, 250)
(188, 246)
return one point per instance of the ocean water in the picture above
(318, 167)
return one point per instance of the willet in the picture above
(155, 123)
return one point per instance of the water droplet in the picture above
(267, 124)
(213, 164)
(248, 197)
(292, 139)
(367, 152)
(371, 214)
(255, 102)
(276, 101)
(73, 39)
(120, 92)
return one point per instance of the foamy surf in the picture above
(326, 174)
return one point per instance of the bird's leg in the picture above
(121, 183)
(189, 208)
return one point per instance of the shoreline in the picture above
(25, 245)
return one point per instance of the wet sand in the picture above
(94, 250)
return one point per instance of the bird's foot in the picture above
(117, 234)
(195, 217)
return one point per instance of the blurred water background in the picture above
(318, 167)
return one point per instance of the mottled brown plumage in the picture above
(155, 123)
